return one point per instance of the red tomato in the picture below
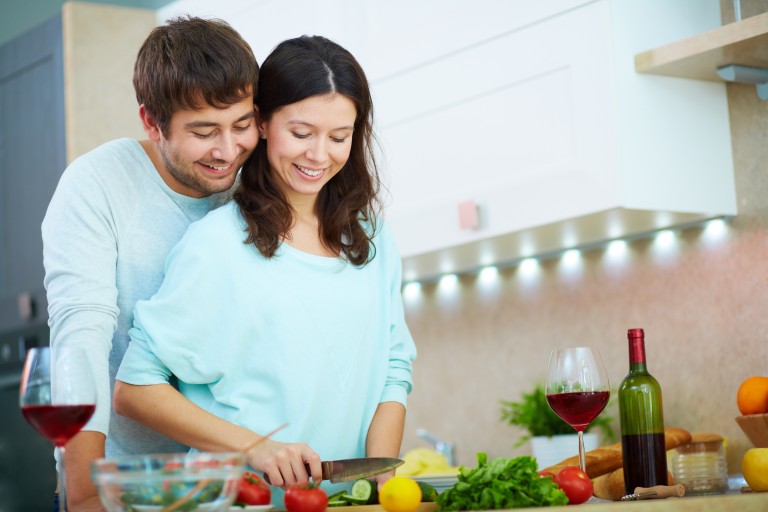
(575, 483)
(543, 473)
(305, 498)
(253, 490)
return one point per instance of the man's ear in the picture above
(150, 125)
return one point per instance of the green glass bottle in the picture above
(642, 421)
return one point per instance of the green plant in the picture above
(534, 415)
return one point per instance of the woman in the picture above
(284, 305)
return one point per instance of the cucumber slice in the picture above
(336, 496)
(354, 500)
(363, 492)
(337, 503)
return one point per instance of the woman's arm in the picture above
(385, 434)
(164, 409)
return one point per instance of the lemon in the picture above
(400, 494)
(755, 468)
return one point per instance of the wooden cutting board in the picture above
(424, 507)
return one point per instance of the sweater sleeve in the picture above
(179, 329)
(402, 350)
(80, 254)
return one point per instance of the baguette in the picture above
(608, 458)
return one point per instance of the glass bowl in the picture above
(205, 482)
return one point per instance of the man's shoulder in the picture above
(117, 152)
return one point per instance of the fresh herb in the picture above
(534, 414)
(499, 484)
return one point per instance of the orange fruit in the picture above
(753, 396)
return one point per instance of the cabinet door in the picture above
(521, 123)
(32, 155)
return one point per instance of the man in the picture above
(119, 209)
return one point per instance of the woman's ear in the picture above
(150, 125)
(261, 124)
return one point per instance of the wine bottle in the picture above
(642, 421)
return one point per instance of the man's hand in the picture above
(82, 449)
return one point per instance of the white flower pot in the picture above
(549, 451)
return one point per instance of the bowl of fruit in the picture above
(207, 482)
(752, 399)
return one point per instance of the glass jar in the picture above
(701, 465)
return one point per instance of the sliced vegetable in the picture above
(428, 493)
(366, 490)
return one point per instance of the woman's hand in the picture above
(380, 479)
(285, 464)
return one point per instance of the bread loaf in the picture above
(606, 459)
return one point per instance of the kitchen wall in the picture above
(702, 299)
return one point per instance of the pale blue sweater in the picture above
(311, 341)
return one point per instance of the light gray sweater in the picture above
(108, 229)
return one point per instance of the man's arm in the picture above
(81, 494)
(80, 254)
(385, 435)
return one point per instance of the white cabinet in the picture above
(533, 110)
(550, 131)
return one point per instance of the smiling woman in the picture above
(306, 313)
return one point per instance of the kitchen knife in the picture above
(347, 470)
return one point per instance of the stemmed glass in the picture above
(577, 388)
(57, 397)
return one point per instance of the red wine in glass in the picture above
(58, 423)
(57, 397)
(577, 389)
(578, 408)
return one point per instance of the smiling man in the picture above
(119, 209)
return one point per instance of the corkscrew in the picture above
(658, 491)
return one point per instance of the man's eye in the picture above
(242, 128)
(300, 135)
(202, 135)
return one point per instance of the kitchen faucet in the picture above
(445, 447)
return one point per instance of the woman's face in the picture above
(308, 142)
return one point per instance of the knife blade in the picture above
(353, 469)
(346, 470)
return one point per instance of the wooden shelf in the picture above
(744, 42)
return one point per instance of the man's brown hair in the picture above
(189, 63)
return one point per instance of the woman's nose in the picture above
(318, 152)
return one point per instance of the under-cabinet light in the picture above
(665, 243)
(747, 75)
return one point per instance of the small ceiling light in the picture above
(746, 75)
(448, 282)
(488, 275)
(412, 290)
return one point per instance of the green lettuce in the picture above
(499, 484)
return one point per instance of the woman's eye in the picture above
(340, 140)
(300, 135)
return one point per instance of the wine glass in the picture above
(577, 388)
(57, 397)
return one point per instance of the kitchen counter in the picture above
(734, 501)
(741, 502)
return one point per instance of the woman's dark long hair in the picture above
(347, 205)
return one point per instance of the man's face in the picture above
(205, 148)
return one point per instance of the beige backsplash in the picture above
(704, 310)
